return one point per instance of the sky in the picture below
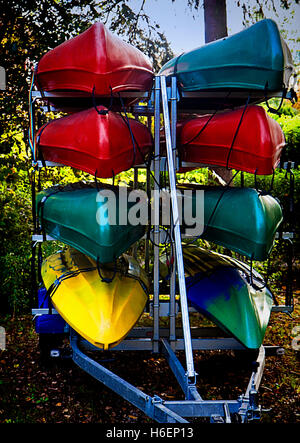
(185, 32)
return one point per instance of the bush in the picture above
(15, 229)
(289, 120)
(16, 224)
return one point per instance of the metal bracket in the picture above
(289, 165)
(47, 164)
(285, 235)
(43, 311)
(38, 238)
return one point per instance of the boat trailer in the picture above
(246, 407)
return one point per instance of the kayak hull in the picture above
(253, 60)
(94, 61)
(77, 215)
(244, 139)
(220, 289)
(102, 313)
(240, 219)
(101, 144)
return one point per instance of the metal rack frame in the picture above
(157, 339)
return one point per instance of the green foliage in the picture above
(289, 120)
(30, 28)
(291, 129)
(16, 225)
(15, 228)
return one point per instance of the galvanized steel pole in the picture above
(179, 257)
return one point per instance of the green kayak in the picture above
(75, 215)
(240, 219)
(255, 61)
(224, 290)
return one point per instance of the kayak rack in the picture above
(163, 101)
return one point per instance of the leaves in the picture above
(33, 393)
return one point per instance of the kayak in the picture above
(101, 312)
(221, 289)
(95, 60)
(97, 141)
(80, 215)
(240, 219)
(254, 63)
(245, 139)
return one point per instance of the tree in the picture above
(29, 28)
(215, 19)
(215, 22)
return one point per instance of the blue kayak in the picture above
(224, 290)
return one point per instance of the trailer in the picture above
(164, 102)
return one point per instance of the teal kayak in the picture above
(255, 61)
(224, 290)
(75, 215)
(240, 219)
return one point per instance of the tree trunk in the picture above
(215, 20)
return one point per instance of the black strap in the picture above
(99, 111)
(176, 63)
(40, 209)
(270, 109)
(96, 181)
(104, 279)
(42, 130)
(102, 111)
(242, 179)
(126, 121)
(259, 288)
(40, 153)
(208, 121)
(201, 130)
(237, 130)
(264, 192)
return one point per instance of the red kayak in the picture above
(250, 142)
(96, 141)
(94, 59)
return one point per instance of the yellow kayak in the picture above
(101, 306)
